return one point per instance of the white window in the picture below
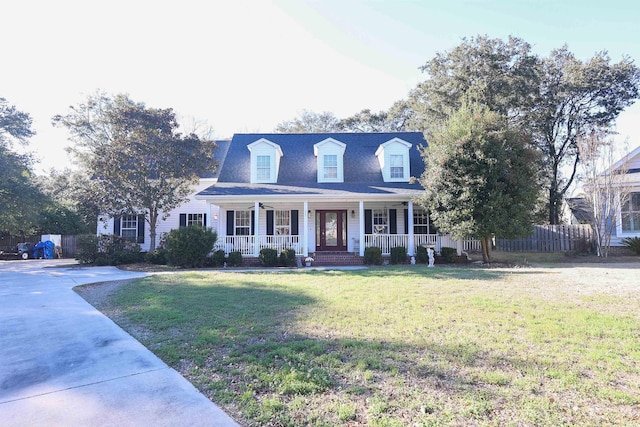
(393, 157)
(282, 223)
(265, 161)
(243, 223)
(263, 172)
(195, 219)
(631, 213)
(330, 160)
(129, 227)
(396, 166)
(330, 166)
(420, 222)
(380, 221)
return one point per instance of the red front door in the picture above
(331, 230)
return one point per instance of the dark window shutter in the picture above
(393, 221)
(270, 223)
(183, 220)
(406, 221)
(204, 220)
(294, 222)
(230, 224)
(116, 225)
(368, 221)
(253, 222)
(141, 228)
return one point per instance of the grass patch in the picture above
(399, 346)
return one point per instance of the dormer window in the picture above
(329, 154)
(393, 157)
(330, 166)
(263, 164)
(265, 161)
(396, 166)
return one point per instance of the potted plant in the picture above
(307, 261)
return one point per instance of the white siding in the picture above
(193, 206)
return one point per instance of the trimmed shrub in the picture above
(235, 259)
(449, 255)
(422, 255)
(288, 258)
(372, 256)
(632, 243)
(268, 257)
(398, 255)
(157, 257)
(87, 248)
(189, 246)
(218, 258)
(114, 250)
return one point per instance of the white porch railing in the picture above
(246, 244)
(387, 241)
(425, 239)
(471, 245)
(279, 243)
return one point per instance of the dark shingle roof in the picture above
(298, 165)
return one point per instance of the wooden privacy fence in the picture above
(551, 238)
(69, 245)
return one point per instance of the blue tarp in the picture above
(44, 250)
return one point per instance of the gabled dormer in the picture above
(393, 157)
(265, 161)
(330, 160)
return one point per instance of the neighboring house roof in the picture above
(630, 160)
(298, 166)
(579, 209)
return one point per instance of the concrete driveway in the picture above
(63, 363)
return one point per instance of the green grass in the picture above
(397, 346)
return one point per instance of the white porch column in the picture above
(305, 229)
(222, 231)
(256, 228)
(209, 223)
(361, 226)
(412, 246)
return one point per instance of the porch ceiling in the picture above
(243, 191)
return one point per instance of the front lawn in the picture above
(400, 346)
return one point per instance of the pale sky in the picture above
(245, 66)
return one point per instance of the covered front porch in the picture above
(312, 226)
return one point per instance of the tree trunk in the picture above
(486, 248)
(554, 215)
(153, 222)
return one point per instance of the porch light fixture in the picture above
(353, 213)
(309, 214)
(215, 217)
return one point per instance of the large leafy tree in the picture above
(396, 119)
(556, 99)
(480, 177)
(20, 199)
(139, 161)
(310, 122)
(573, 98)
(73, 209)
(501, 75)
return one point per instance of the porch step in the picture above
(328, 259)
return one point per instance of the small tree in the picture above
(605, 186)
(480, 178)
